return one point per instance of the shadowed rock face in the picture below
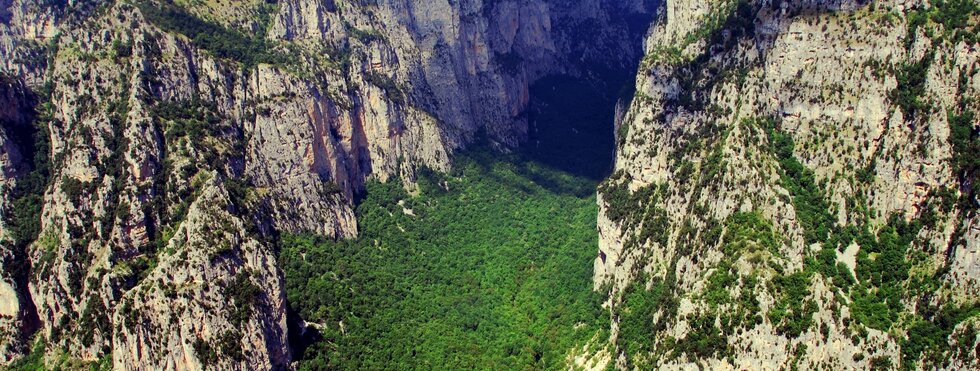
(789, 185)
(16, 132)
(180, 140)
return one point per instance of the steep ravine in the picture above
(19, 136)
(484, 266)
(179, 141)
(410, 184)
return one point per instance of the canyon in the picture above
(252, 184)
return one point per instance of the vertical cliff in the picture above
(169, 143)
(795, 187)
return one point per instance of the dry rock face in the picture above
(168, 143)
(794, 187)
(221, 285)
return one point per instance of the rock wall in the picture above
(182, 138)
(791, 190)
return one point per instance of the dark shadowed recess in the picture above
(571, 123)
(22, 216)
(571, 117)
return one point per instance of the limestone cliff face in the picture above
(468, 63)
(176, 142)
(792, 189)
(213, 300)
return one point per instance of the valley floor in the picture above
(489, 266)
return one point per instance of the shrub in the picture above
(244, 295)
(911, 86)
(965, 140)
(792, 314)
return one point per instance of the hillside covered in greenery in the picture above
(489, 266)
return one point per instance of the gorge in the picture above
(459, 184)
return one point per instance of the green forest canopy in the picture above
(493, 271)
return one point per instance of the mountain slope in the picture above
(177, 140)
(794, 187)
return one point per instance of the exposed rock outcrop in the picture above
(215, 298)
(791, 189)
(183, 138)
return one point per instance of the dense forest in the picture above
(489, 266)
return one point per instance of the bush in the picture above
(636, 316)
(965, 140)
(911, 86)
(812, 208)
(704, 340)
(75, 188)
(954, 16)
(204, 352)
(928, 338)
(244, 295)
(388, 85)
(792, 313)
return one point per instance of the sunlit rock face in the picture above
(792, 189)
(177, 140)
